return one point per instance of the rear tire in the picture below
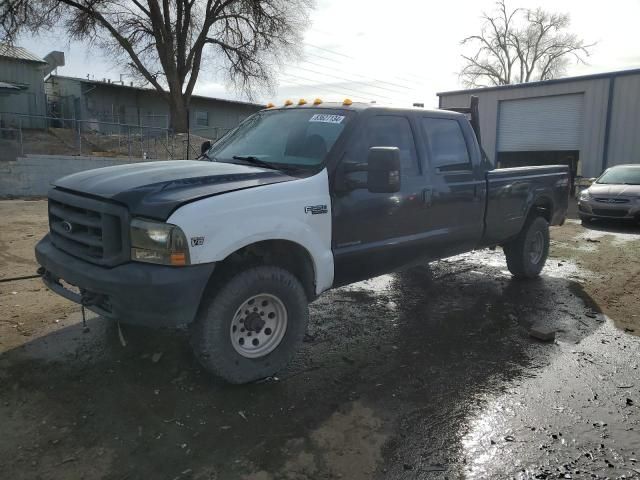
(527, 253)
(275, 325)
(585, 219)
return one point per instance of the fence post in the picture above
(20, 135)
(79, 139)
(129, 140)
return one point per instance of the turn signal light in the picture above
(347, 101)
(317, 101)
(302, 101)
(287, 103)
(178, 259)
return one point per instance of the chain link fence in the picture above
(22, 134)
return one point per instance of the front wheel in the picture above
(527, 253)
(251, 327)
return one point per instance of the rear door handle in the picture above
(427, 194)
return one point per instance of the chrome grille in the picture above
(89, 229)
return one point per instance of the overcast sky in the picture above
(397, 52)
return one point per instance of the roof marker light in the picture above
(270, 105)
(317, 101)
(347, 101)
(287, 103)
(302, 101)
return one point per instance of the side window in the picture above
(393, 131)
(447, 144)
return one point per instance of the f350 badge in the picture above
(316, 209)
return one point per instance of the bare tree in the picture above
(166, 42)
(520, 45)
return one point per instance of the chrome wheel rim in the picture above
(258, 325)
(536, 248)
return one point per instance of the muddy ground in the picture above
(426, 373)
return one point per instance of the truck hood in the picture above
(156, 189)
(614, 190)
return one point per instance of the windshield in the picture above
(620, 176)
(296, 138)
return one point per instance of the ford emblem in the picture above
(67, 227)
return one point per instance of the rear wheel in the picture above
(251, 327)
(527, 253)
(586, 218)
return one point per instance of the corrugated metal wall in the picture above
(624, 137)
(595, 108)
(30, 101)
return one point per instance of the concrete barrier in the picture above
(31, 175)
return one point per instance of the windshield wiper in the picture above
(255, 161)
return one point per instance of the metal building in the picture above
(99, 103)
(588, 122)
(21, 81)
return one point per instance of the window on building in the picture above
(202, 118)
(447, 144)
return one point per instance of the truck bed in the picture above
(511, 193)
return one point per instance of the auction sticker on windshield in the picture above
(325, 118)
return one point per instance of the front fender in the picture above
(218, 226)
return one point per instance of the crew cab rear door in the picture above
(374, 232)
(457, 184)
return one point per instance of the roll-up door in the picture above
(541, 124)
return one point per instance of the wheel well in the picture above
(282, 253)
(542, 207)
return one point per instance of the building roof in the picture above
(594, 76)
(150, 90)
(19, 53)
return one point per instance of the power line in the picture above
(347, 89)
(329, 51)
(367, 84)
(325, 89)
(334, 52)
(373, 79)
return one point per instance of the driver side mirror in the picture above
(383, 170)
(204, 148)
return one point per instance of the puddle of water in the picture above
(561, 418)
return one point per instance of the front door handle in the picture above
(427, 195)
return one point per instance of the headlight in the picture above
(157, 242)
(584, 195)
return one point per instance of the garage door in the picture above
(543, 123)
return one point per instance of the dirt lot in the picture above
(427, 373)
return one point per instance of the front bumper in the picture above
(623, 211)
(133, 293)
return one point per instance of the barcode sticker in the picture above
(325, 118)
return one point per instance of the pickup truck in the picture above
(296, 200)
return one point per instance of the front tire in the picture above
(251, 327)
(527, 253)
(586, 219)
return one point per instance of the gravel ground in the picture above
(425, 373)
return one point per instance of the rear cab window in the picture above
(446, 144)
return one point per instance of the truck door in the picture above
(375, 232)
(456, 210)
